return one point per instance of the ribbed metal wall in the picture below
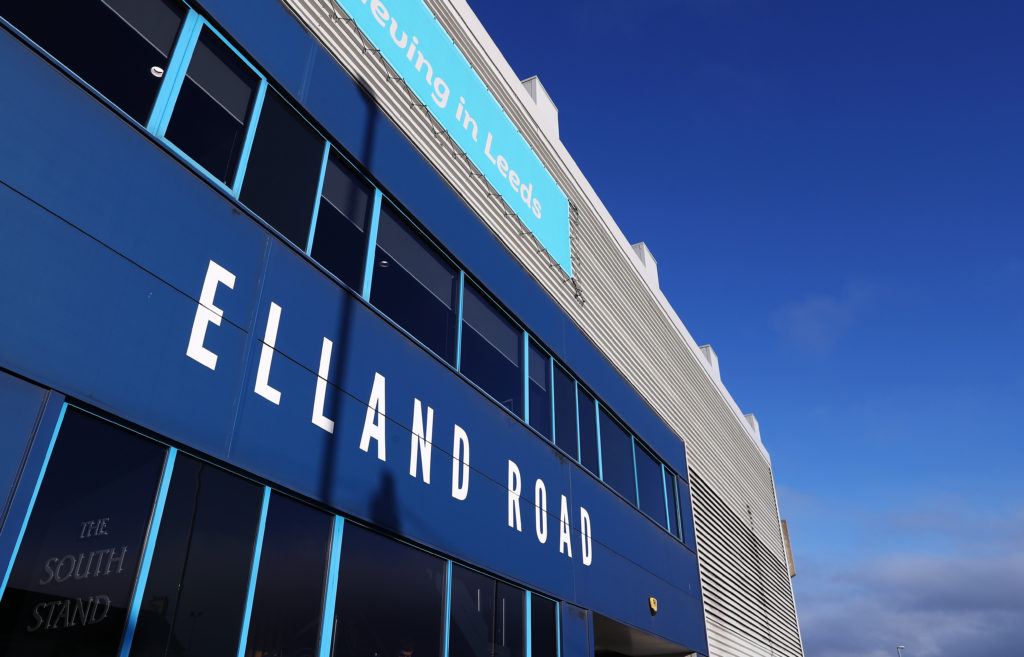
(747, 591)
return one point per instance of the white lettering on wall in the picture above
(515, 486)
(564, 531)
(422, 440)
(319, 419)
(460, 457)
(263, 388)
(207, 313)
(540, 509)
(586, 544)
(374, 424)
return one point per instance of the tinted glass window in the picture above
(288, 600)
(685, 514)
(390, 598)
(415, 285)
(565, 413)
(673, 510)
(472, 614)
(617, 457)
(492, 348)
(588, 430)
(111, 44)
(540, 391)
(213, 107)
(199, 577)
(650, 484)
(543, 626)
(283, 170)
(345, 206)
(487, 617)
(70, 587)
(20, 405)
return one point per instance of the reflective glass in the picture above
(288, 601)
(492, 348)
(565, 413)
(588, 430)
(650, 484)
(509, 622)
(487, 617)
(71, 584)
(213, 107)
(415, 285)
(345, 206)
(617, 457)
(540, 391)
(283, 170)
(686, 514)
(111, 44)
(543, 626)
(390, 598)
(199, 577)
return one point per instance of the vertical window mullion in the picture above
(447, 609)
(459, 321)
(254, 570)
(331, 592)
(551, 399)
(250, 134)
(160, 116)
(526, 377)
(319, 194)
(664, 486)
(636, 475)
(529, 623)
(147, 554)
(576, 408)
(597, 428)
(371, 243)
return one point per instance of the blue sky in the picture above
(835, 196)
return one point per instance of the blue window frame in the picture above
(650, 484)
(491, 350)
(589, 448)
(617, 465)
(342, 223)
(539, 391)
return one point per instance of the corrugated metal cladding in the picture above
(747, 591)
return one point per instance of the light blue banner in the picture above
(418, 48)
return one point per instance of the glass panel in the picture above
(472, 614)
(70, 587)
(390, 598)
(540, 391)
(199, 577)
(288, 601)
(588, 430)
(345, 206)
(686, 515)
(213, 107)
(543, 626)
(415, 285)
(283, 170)
(492, 348)
(112, 45)
(673, 512)
(617, 457)
(650, 484)
(509, 626)
(565, 413)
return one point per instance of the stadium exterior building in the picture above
(315, 341)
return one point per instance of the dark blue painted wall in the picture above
(106, 243)
(20, 406)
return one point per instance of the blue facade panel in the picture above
(20, 406)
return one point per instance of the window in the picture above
(670, 496)
(650, 484)
(339, 241)
(415, 285)
(543, 626)
(111, 44)
(486, 616)
(566, 435)
(617, 457)
(71, 584)
(589, 456)
(492, 348)
(199, 577)
(288, 601)
(391, 597)
(686, 532)
(283, 169)
(540, 391)
(213, 108)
